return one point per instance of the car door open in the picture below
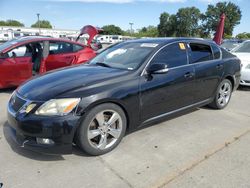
(16, 66)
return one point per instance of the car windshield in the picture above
(229, 45)
(8, 44)
(243, 48)
(127, 55)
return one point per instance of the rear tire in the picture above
(223, 95)
(102, 129)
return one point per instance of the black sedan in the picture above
(127, 86)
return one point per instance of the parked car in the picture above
(128, 85)
(24, 57)
(243, 53)
(231, 44)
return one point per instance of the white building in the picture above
(10, 32)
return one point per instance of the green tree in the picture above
(167, 25)
(43, 24)
(112, 30)
(212, 16)
(187, 22)
(11, 23)
(150, 31)
(244, 35)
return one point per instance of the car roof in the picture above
(166, 40)
(38, 38)
(22, 40)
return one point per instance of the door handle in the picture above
(189, 75)
(219, 67)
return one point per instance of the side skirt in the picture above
(196, 105)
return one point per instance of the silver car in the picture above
(243, 53)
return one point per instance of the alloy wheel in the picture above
(105, 129)
(224, 94)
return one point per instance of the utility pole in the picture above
(38, 20)
(131, 27)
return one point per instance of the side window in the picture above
(57, 47)
(21, 51)
(216, 52)
(173, 55)
(200, 52)
(77, 48)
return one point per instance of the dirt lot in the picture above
(202, 148)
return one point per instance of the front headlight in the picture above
(58, 107)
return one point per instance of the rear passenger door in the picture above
(208, 69)
(61, 54)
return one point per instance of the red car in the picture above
(22, 58)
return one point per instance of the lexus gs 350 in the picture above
(125, 87)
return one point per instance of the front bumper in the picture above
(245, 77)
(26, 128)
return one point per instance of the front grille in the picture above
(246, 81)
(16, 102)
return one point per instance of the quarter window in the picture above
(60, 47)
(173, 55)
(200, 53)
(216, 52)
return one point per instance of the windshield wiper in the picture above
(102, 64)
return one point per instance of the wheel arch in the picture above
(231, 79)
(116, 102)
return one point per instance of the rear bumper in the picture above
(25, 129)
(236, 82)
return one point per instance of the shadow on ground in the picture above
(244, 88)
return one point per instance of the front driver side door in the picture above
(16, 67)
(165, 93)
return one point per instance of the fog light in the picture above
(46, 141)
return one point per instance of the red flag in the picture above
(220, 30)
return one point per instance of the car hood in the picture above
(244, 57)
(53, 84)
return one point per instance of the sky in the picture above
(74, 14)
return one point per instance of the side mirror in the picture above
(157, 68)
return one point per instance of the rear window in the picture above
(200, 53)
(216, 52)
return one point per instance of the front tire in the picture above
(102, 129)
(223, 95)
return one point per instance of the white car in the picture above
(243, 53)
